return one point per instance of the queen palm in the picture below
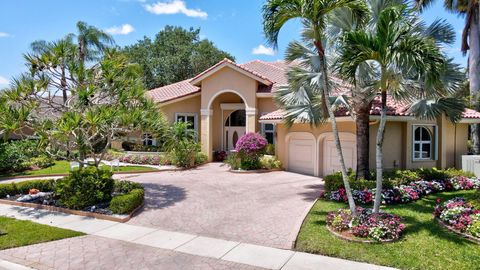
(470, 9)
(314, 15)
(410, 67)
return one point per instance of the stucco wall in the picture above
(393, 146)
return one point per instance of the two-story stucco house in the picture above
(229, 99)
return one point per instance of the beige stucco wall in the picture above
(188, 105)
(393, 146)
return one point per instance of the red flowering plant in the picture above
(460, 215)
(249, 148)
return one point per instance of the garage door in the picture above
(301, 153)
(330, 156)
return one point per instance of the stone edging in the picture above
(464, 235)
(73, 212)
(254, 171)
(338, 235)
(65, 174)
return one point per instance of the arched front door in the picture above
(234, 129)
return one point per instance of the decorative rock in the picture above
(32, 197)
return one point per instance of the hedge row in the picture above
(23, 187)
(126, 203)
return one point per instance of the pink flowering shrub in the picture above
(460, 215)
(375, 226)
(144, 159)
(248, 149)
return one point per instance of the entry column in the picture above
(251, 120)
(206, 132)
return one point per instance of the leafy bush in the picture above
(233, 159)
(200, 158)
(41, 162)
(85, 187)
(124, 186)
(128, 146)
(249, 148)
(270, 149)
(182, 146)
(126, 203)
(23, 187)
(334, 182)
(220, 155)
(270, 162)
(15, 155)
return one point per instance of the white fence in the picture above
(471, 163)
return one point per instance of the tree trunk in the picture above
(379, 153)
(346, 183)
(474, 77)
(362, 121)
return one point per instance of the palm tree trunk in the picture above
(333, 120)
(363, 145)
(379, 153)
(474, 77)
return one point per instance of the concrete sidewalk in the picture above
(216, 251)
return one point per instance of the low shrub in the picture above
(141, 159)
(234, 161)
(220, 155)
(124, 186)
(270, 149)
(126, 203)
(14, 155)
(249, 148)
(40, 162)
(24, 186)
(375, 226)
(85, 187)
(200, 158)
(270, 162)
(460, 215)
(334, 182)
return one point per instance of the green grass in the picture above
(22, 233)
(424, 244)
(63, 167)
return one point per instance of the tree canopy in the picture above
(174, 55)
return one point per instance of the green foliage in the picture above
(234, 161)
(126, 203)
(270, 162)
(270, 149)
(41, 162)
(24, 186)
(176, 54)
(124, 186)
(85, 187)
(335, 181)
(200, 158)
(182, 146)
(15, 156)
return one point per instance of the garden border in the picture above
(342, 237)
(255, 171)
(464, 235)
(73, 212)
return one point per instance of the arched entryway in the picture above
(234, 128)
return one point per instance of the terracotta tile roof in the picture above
(173, 91)
(471, 114)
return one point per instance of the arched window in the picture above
(422, 143)
(236, 119)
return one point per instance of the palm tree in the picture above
(314, 15)
(410, 67)
(91, 42)
(470, 9)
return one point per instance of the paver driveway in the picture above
(265, 209)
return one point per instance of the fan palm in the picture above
(314, 15)
(410, 66)
(470, 9)
(91, 42)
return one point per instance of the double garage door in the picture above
(306, 157)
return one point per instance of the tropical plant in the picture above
(314, 16)
(182, 145)
(104, 99)
(410, 66)
(470, 10)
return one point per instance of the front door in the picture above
(234, 129)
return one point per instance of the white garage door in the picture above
(330, 156)
(301, 153)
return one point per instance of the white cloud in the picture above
(260, 49)
(120, 30)
(4, 81)
(3, 34)
(175, 7)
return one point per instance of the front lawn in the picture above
(63, 167)
(424, 244)
(23, 233)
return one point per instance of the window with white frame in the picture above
(147, 139)
(268, 131)
(424, 142)
(190, 118)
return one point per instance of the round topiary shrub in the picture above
(249, 148)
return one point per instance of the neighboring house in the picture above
(228, 99)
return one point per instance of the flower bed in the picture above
(144, 159)
(460, 216)
(408, 193)
(366, 227)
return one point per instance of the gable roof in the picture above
(173, 91)
(228, 63)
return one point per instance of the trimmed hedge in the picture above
(124, 204)
(23, 187)
(334, 181)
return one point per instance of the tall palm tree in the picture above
(314, 15)
(410, 66)
(470, 9)
(91, 41)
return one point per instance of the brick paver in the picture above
(264, 209)
(95, 252)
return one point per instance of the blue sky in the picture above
(233, 25)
